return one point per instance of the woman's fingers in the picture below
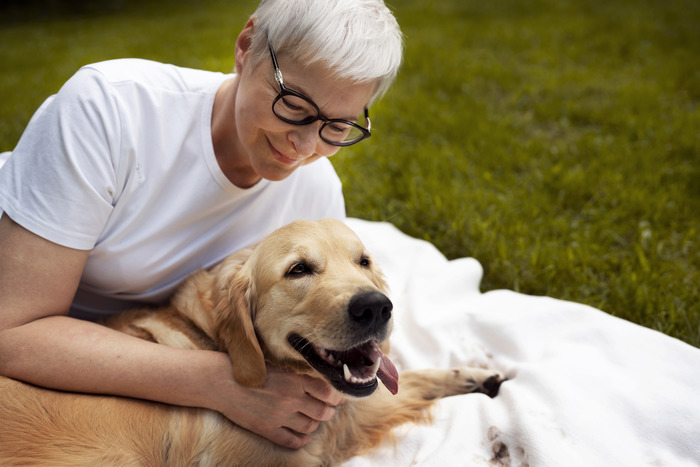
(322, 391)
(285, 409)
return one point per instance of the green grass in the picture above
(558, 142)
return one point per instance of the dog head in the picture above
(310, 298)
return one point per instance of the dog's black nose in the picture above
(370, 309)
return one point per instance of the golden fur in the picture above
(300, 280)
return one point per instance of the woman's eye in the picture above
(292, 107)
(340, 130)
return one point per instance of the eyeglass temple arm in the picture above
(278, 73)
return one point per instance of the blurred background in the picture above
(556, 141)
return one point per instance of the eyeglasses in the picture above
(297, 109)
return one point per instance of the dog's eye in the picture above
(299, 269)
(365, 262)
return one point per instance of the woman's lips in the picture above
(281, 157)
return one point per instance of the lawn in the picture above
(558, 142)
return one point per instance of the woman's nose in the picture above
(305, 139)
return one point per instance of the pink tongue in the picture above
(387, 371)
(388, 374)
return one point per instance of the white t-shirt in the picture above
(121, 162)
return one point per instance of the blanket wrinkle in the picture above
(585, 388)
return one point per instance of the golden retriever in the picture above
(308, 297)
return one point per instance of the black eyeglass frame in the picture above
(284, 91)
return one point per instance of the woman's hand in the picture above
(285, 409)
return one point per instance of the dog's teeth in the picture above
(323, 353)
(330, 358)
(375, 367)
(350, 378)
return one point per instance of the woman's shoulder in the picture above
(151, 74)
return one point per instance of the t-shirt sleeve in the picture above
(61, 180)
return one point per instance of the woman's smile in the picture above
(281, 157)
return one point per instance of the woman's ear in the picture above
(244, 43)
(236, 332)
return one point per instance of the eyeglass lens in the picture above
(295, 109)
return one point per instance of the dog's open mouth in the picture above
(353, 371)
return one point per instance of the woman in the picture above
(137, 173)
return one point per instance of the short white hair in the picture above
(358, 40)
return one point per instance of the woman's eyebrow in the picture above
(294, 87)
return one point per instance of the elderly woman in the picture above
(138, 173)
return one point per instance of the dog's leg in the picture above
(365, 424)
(434, 384)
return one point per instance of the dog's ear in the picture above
(235, 330)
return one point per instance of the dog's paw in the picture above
(468, 380)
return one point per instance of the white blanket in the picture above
(585, 388)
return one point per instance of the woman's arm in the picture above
(41, 345)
